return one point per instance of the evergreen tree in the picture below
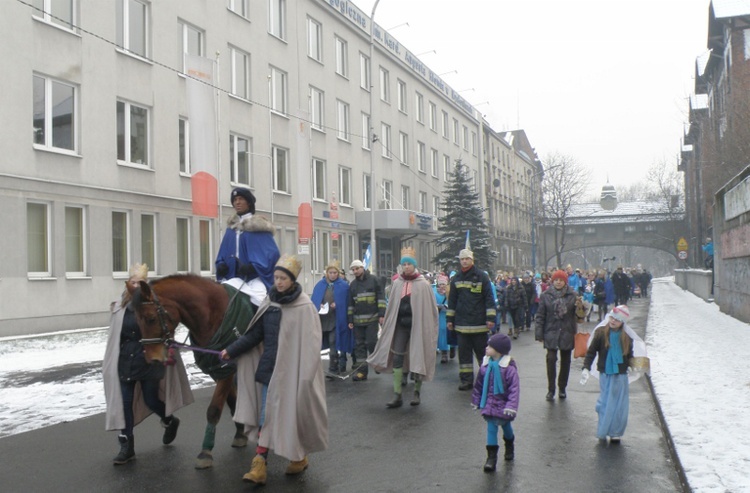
(463, 211)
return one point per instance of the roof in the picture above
(625, 212)
(724, 9)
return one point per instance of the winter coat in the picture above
(555, 322)
(515, 297)
(531, 296)
(366, 300)
(248, 249)
(470, 302)
(509, 399)
(344, 336)
(598, 347)
(621, 283)
(600, 290)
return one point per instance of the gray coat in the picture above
(555, 322)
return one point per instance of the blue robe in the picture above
(256, 246)
(344, 336)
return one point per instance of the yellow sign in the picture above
(682, 245)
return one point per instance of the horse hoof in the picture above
(205, 460)
(239, 442)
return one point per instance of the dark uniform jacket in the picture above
(470, 302)
(366, 300)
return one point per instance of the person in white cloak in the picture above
(616, 355)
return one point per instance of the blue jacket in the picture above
(254, 246)
(344, 337)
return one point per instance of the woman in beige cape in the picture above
(410, 331)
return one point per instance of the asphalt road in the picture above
(437, 446)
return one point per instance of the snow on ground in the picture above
(698, 370)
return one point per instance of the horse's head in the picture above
(156, 324)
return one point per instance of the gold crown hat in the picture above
(333, 264)
(289, 264)
(408, 254)
(138, 270)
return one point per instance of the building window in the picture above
(474, 143)
(148, 241)
(240, 73)
(434, 165)
(364, 72)
(133, 26)
(206, 253)
(405, 197)
(436, 206)
(75, 241)
(277, 18)
(319, 179)
(38, 246)
(367, 188)
(317, 109)
(342, 120)
(423, 202)
(278, 90)
(58, 12)
(456, 134)
(239, 160)
(403, 148)
(433, 117)
(120, 243)
(281, 170)
(55, 114)
(183, 244)
(446, 125)
(421, 157)
(401, 96)
(314, 40)
(446, 166)
(385, 140)
(342, 57)
(192, 41)
(387, 195)
(419, 107)
(366, 131)
(385, 85)
(239, 7)
(345, 186)
(132, 134)
(466, 137)
(183, 140)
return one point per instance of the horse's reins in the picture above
(163, 317)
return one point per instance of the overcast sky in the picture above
(603, 81)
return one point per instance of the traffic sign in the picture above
(682, 245)
(682, 255)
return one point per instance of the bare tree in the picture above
(564, 184)
(666, 186)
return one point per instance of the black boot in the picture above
(491, 463)
(509, 448)
(416, 399)
(396, 402)
(170, 429)
(127, 450)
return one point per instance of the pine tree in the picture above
(463, 211)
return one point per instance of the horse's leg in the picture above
(240, 439)
(213, 414)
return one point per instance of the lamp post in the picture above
(373, 242)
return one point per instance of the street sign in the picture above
(682, 255)
(682, 245)
(303, 249)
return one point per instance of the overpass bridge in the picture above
(599, 224)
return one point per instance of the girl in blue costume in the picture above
(441, 298)
(332, 292)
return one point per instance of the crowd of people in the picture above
(399, 329)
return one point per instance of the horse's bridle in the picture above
(164, 317)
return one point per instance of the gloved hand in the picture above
(585, 374)
(509, 414)
(630, 370)
(222, 270)
(245, 270)
(474, 407)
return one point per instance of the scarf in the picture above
(493, 367)
(559, 307)
(614, 354)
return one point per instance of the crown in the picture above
(291, 264)
(408, 252)
(333, 264)
(138, 270)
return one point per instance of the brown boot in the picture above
(257, 473)
(297, 466)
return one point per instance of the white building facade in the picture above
(100, 177)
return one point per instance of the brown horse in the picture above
(200, 304)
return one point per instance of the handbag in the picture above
(581, 344)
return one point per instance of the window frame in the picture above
(127, 245)
(48, 133)
(153, 262)
(421, 157)
(434, 162)
(123, 24)
(366, 131)
(233, 54)
(319, 173)
(183, 145)
(345, 186)
(277, 19)
(432, 110)
(385, 136)
(385, 85)
(405, 198)
(367, 189)
(419, 107)
(401, 96)
(317, 109)
(185, 29)
(343, 120)
(183, 245)
(82, 242)
(243, 10)
(50, 15)
(387, 194)
(365, 74)
(341, 48)
(234, 159)
(205, 246)
(446, 125)
(128, 138)
(422, 202)
(314, 39)
(276, 151)
(403, 148)
(279, 81)
(47, 247)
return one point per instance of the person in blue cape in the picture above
(332, 294)
(248, 252)
(447, 341)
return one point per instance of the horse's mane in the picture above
(180, 277)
